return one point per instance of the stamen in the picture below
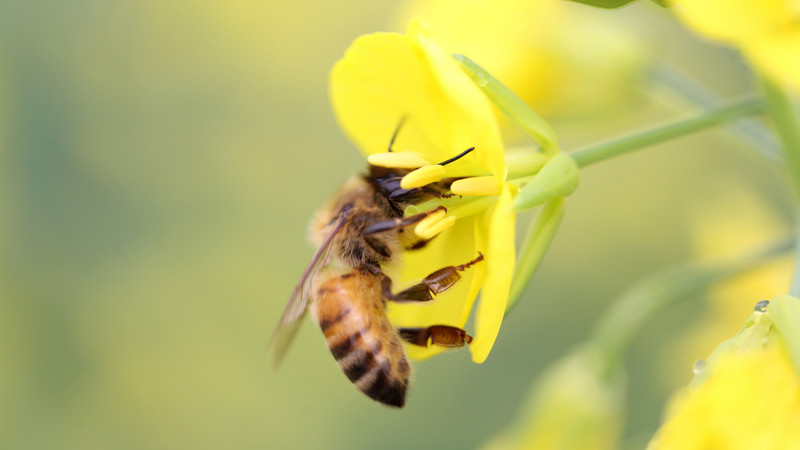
(434, 224)
(430, 220)
(423, 176)
(476, 186)
(398, 160)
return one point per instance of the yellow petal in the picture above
(453, 247)
(386, 77)
(776, 54)
(749, 400)
(734, 20)
(466, 100)
(499, 237)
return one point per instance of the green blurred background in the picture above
(159, 162)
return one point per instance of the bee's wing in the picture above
(298, 302)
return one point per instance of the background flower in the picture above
(745, 396)
(735, 224)
(767, 32)
(542, 50)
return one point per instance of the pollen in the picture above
(423, 176)
(398, 160)
(476, 186)
(434, 224)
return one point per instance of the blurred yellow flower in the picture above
(541, 49)
(572, 406)
(746, 396)
(386, 79)
(767, 31)
(715, 236)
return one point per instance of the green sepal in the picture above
(558, 178)
(606, 4)
(517, 110)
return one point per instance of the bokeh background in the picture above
(159, 162)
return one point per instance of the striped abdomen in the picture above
(349, 310)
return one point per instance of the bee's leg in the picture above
(401, 222)
(441, 335)
(435, 283)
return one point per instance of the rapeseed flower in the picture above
(767, 32)
(388, 79)
(542, 50)
(746, 395)
(572, 405)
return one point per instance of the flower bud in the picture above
(558, 178)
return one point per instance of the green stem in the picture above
(748, 131)
(781, 111)
(630, 312)
(795, 289)
(666, 132)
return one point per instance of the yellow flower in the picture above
(572, 406)
(541, 49)
(767, 31)
(716, 237)
(746, 396)
(385, 79)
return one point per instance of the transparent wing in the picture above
(290, 321)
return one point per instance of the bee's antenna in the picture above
(457, 157)
(396, 132)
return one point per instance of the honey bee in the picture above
(362, 230)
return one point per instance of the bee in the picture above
(361, 231)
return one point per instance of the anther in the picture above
(434, 224)
(423, 176)
(398, 160)
(476, 186)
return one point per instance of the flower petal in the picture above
(776, 54)
(498, 235)
(466, 98)
(385, 78)
(733, 20)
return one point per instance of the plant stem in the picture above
(666, 132)
(781, 110)
(754, 134)
(795, 289)
(785, 119)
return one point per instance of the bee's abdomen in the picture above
(364, 361)
(364, 344)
